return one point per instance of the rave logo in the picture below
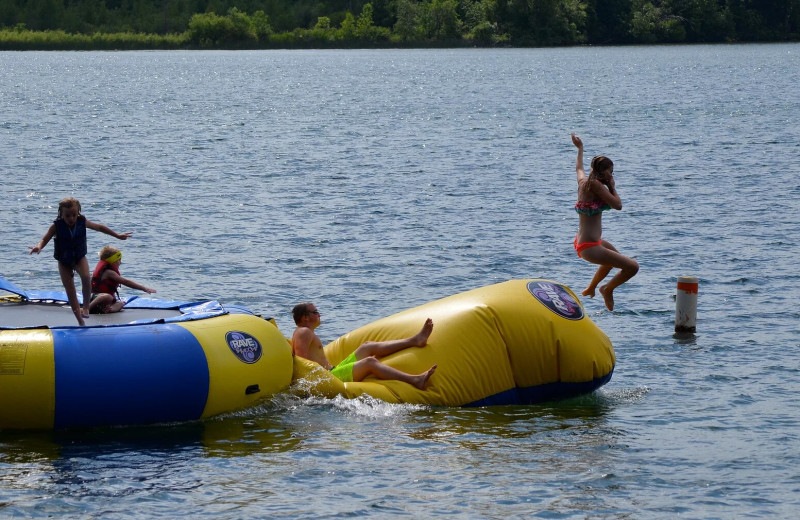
(244, 346)
(556, 298)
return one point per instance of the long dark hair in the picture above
(600, 163)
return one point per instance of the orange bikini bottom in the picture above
(585, 245)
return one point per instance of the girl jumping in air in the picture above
(69, 231)
(596, 194)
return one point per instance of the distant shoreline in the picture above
(15, 40)
(410, 24)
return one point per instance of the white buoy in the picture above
(686, 304)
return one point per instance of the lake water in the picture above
(374, 181)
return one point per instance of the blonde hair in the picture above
(107, 251)
(68, 203)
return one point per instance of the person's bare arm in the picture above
(128, 283)
(606, 192)
(107, 230)
(45, 239)
(580, 172)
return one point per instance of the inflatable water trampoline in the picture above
(153, 362)
(516, 342)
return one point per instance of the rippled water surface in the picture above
(374, 181)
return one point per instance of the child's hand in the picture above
(577, 141)
(149, 291)
(34, 249)
(124, 236)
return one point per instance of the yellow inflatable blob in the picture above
(516, 342)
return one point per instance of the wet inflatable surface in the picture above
(517, 342)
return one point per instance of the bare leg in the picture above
(620, 278)
(598, 277)
(608, 257)
(69, 286)
(105, 304)
(99, 304)
(116, 306)
(600, 274)
(86, 284)
(371, 366)
(384, 348)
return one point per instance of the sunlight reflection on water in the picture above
(375, 181)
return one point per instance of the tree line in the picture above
(342, 23)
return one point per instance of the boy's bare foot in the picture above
(420, 339)
(589, 291)
(422, 379)
(608, 296)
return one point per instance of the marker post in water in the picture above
(686, 304)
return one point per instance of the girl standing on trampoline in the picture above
(69, 232)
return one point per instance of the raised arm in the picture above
(45, 239)
(580, 172)
(107, 230)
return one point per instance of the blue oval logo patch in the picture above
(244, 346)
(556, 298)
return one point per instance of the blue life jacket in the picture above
(70, 244)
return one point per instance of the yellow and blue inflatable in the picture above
(185, 361)
(517, 342)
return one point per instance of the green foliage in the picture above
(479, 20)
(211, 30)
(323, 23)
(681, 20)
(261, 25)
(366, 29)
(483, 33)
(348, 29)
(16, 39)
(574, 19)
(608, 21)
(440, 20)
(651, 24)
(545, 22)
(408, 27)
(342, 23)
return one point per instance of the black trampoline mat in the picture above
(19, 315)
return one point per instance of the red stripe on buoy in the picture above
(688, 287)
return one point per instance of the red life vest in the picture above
(104, 285)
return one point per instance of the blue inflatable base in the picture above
(542, 393)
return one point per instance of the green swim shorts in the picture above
(344, 370)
